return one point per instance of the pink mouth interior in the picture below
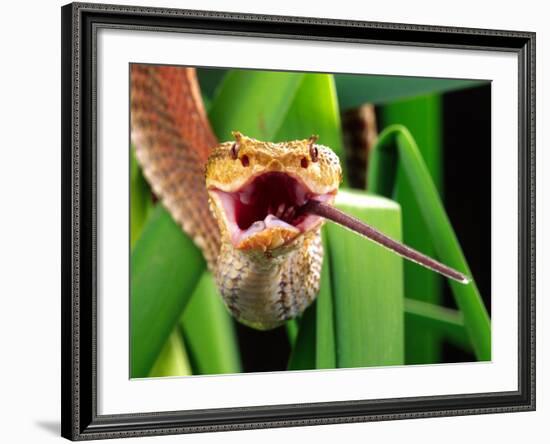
(269, 200)
(272, 193)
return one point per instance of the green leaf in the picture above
(302, 356)
(292, 331)
(314, 110)
(422, 116)
(325, 335)
(141, 203)
(165, 268)
(172, 360)
(447, 323)
(209, 80)
(367, 285)
(209, 331)
(252, 102)
(356, 89)
(396, 143)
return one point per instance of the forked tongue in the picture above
(353, 224)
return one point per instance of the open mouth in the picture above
(266, 212)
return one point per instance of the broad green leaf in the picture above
(252, 102)
(172, 360)
(209, 80)
(314, 111)
(367, 285)
(397, 144)
(165, 268)
(209, 332)
(302, 356)
(325, 335)
(356, 89)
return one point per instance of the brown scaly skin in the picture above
(172, 139)
(263, 293)
(269, 277)
(223, 172)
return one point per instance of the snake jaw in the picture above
(264, 214)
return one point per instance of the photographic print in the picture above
(291, 221)
(275, 221)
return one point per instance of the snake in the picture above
(238, 200)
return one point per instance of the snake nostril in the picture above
(245, 161)
(304, 163)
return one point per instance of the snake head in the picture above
(257, 189)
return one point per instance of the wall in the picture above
(30, 219)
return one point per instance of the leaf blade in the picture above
(172, 360)
(422, 116)
(252, 102)
(315, 111)
(209, 331)
(367, 283)
(356, 89)
(325, 336)
(395, 141)
(158, 288)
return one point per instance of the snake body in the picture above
(238, 200)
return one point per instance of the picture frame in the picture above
(81, 177)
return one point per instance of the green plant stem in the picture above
(367, 285)
(325, 346)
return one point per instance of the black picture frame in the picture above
(79, 210)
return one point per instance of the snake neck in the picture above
(262, 291)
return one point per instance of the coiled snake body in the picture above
(239, 201)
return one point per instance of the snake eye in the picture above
(304, 163)
(313, 153)
(235, 150)
(245, 161)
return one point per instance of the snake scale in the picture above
(238, 200)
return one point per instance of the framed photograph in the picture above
(278, 221)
